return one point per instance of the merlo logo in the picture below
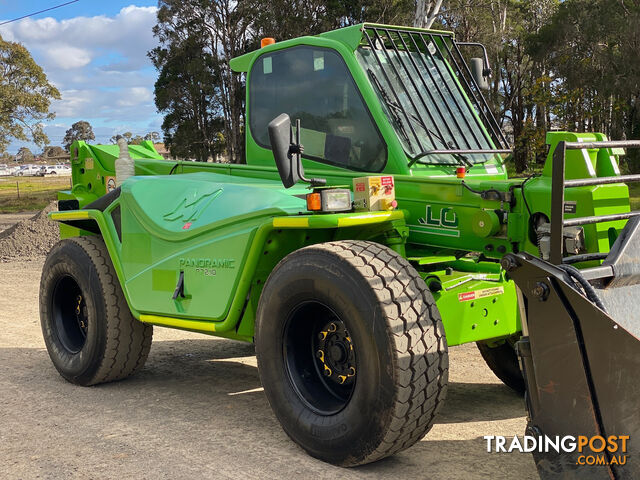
(191, 205)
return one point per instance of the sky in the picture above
(95, 53)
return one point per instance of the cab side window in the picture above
(314, 85)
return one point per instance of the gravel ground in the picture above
(30, 237)
(9, 219)
(197, 411)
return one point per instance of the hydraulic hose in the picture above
(588, 289)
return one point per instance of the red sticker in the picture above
(359, 187)
(387, 181)
(187, 226)
(478, 294)
(465, 297)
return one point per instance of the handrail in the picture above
(602, 144)
(558, 185)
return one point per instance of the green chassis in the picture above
(226, 226)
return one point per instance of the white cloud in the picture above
(128, 33)
(130, 97)
(67, 58)
(100, 66)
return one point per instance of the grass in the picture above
(20, 194)
(634, 196)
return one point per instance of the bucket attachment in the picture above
(580, 356)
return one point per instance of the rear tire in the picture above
(351, 351)
(503, 362)
(88, 328)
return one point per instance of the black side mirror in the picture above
(286, 153)
(288, 162)
(480, 74)
(480, 68)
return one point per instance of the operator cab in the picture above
(406, 94)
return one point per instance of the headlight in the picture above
(336, 200)
(330, 200)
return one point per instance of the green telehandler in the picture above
(408, 238)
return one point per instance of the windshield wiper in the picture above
(396, 109)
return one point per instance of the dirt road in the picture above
(197, 411)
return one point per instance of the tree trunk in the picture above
(426, 12)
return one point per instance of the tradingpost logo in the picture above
(594, 450)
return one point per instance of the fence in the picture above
(21, 188)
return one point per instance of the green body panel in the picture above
(227, 226)
(224, 234)
(477, 306)
(414, 194)
(199, 224)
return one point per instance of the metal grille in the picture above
(425, 73)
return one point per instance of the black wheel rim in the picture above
(319, 357)
(70, 320)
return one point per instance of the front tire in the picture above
(351, 351)
(88, 328)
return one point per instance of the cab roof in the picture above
(351, 37)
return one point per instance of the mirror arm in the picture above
(295, 151)
(287, 153)
(487, 68)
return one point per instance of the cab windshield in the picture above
(436, 121)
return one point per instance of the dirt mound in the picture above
(30, 238)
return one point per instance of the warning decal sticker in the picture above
(476, 294)
(110, 183)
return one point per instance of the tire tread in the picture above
(128, 341)
(420, 347)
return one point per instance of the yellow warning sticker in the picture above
(476, 294)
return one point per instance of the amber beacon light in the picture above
(267, 41)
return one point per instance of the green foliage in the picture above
(126, 135)
(53, 151)
(285, 19)
(593, 49)
(520, 85)
(81, 130)
(152, 136)
(188, 93)
(201, 98)
(24, 155)
(25, 96)
(6, 157)
(136, 139)
(557, 64)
